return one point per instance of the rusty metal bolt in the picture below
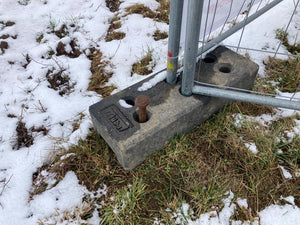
(142, 102)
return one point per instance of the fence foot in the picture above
(168, 113)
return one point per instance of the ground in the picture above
(59, 57)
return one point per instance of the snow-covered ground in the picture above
(25, 94)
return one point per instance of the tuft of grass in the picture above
(144, 66)
(158, 35)
(126, 205)
(100, 75)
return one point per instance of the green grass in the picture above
(197, 168)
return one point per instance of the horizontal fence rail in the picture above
(238, 96)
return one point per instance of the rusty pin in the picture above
(142, 102)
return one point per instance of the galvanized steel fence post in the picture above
(195, 8)
(176, 9)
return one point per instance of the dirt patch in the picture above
(59, 81)
(40, 129)
(4, 36)
(3, 45)
(7, 23)
(113, 5)
(61, 49)
(158, 35)
(100, 75)
(62, 31)
(28, 60)
(24, 138)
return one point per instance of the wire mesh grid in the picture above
(248, 9)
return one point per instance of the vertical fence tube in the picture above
(195, 8)
(176, 9)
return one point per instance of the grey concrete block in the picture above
(169, 113)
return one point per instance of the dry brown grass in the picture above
(114, 36)
(143, 67)
(163, 11)
(286, 73)
(158, 35)
(111, 33)
(81, 212)
(140, 9)
(100, 75)
(161, 14)
(251, 109)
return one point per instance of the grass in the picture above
(143, 66)
(160, 15)
(76, 215)
(111, 33)
(100, 75)
(197, 168)
(126, 204)
(286, 73)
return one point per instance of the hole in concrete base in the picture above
(225, 68)
(127, 102)
(210, 58)
(136, 116)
